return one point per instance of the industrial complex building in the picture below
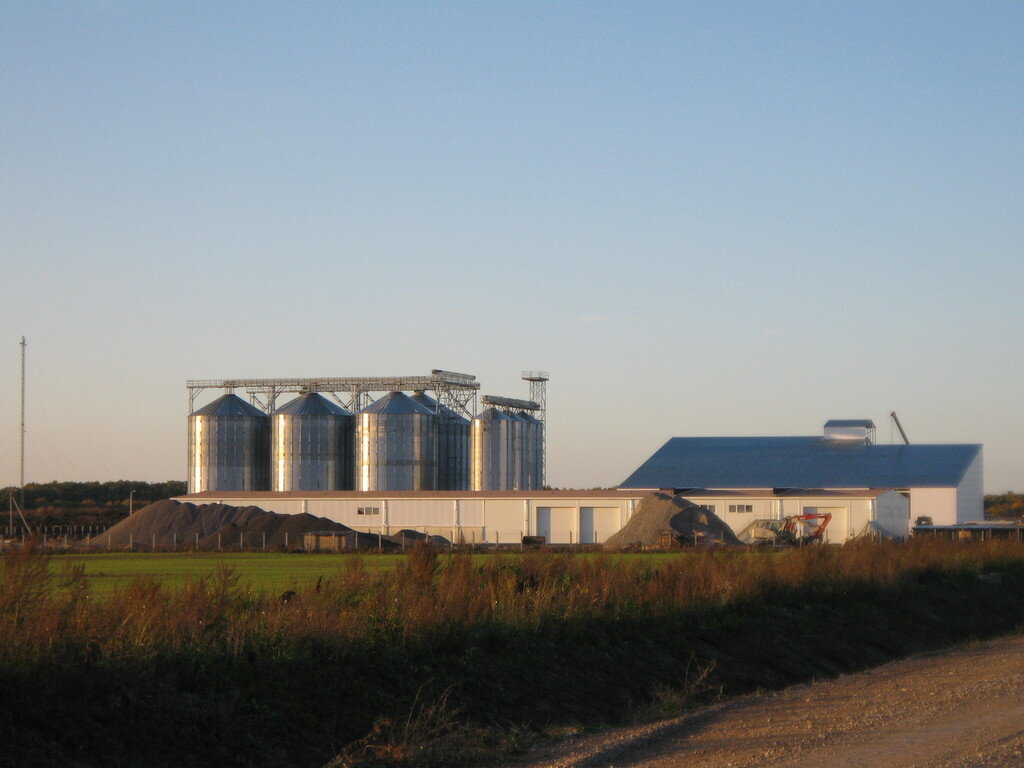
(366, 453)
(943, 482)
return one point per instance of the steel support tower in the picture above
(539, 394)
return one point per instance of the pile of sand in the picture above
(659, 512)
(169, 523)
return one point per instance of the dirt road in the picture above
(962, 708)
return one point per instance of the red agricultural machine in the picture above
(791, 531)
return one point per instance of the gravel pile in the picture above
(171, 523)
(659, 512)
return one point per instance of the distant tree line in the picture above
(1004, 506)
(90, 495)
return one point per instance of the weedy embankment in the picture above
(441, 660)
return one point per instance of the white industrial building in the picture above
(942, 482)
(486, 517)
(561, 517)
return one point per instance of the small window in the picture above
(707, 507)
(741, 507)
(368, 511)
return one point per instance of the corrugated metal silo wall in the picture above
(313, 452)
(396, 452)
(492, 447)
(228, 453)
(454, 469)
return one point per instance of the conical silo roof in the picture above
(397, 402)
(312, 404)
(431, 405)
(493, 414)
(229, 405)
(527, 416)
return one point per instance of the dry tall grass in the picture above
(426, 594)
(445, 658)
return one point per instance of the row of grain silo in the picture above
(397, 443)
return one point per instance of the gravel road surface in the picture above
(961, 708)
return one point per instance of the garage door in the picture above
(557, 524)
(598, 523)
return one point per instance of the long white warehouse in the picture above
(564, 517)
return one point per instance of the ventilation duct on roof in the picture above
(850, 429)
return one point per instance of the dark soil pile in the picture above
(167, 523)
(660, 512)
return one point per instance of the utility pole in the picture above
(131, 503)
(22, 485)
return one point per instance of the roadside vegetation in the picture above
(445, 659)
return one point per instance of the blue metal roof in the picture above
(800, 462)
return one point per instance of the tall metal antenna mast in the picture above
(22, 484)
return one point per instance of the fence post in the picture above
(131, 541)
(241, 542)
(264, 541)
(197, 541)
(286, 541)
(521, 545)
(174, 545)
(154, 542)
(218, 542)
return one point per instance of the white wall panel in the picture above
(970, 498)
(937, 503)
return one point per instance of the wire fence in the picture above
(91, 538)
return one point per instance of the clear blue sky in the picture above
(703, 219)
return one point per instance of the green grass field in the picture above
(272, 571)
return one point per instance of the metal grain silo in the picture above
(534, 460)
(526, 427)
(396, 445)
(491, 444)
(452, 445)
(312, 445)
(519, 434)
(228, 447)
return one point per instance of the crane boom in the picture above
(896, 420)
